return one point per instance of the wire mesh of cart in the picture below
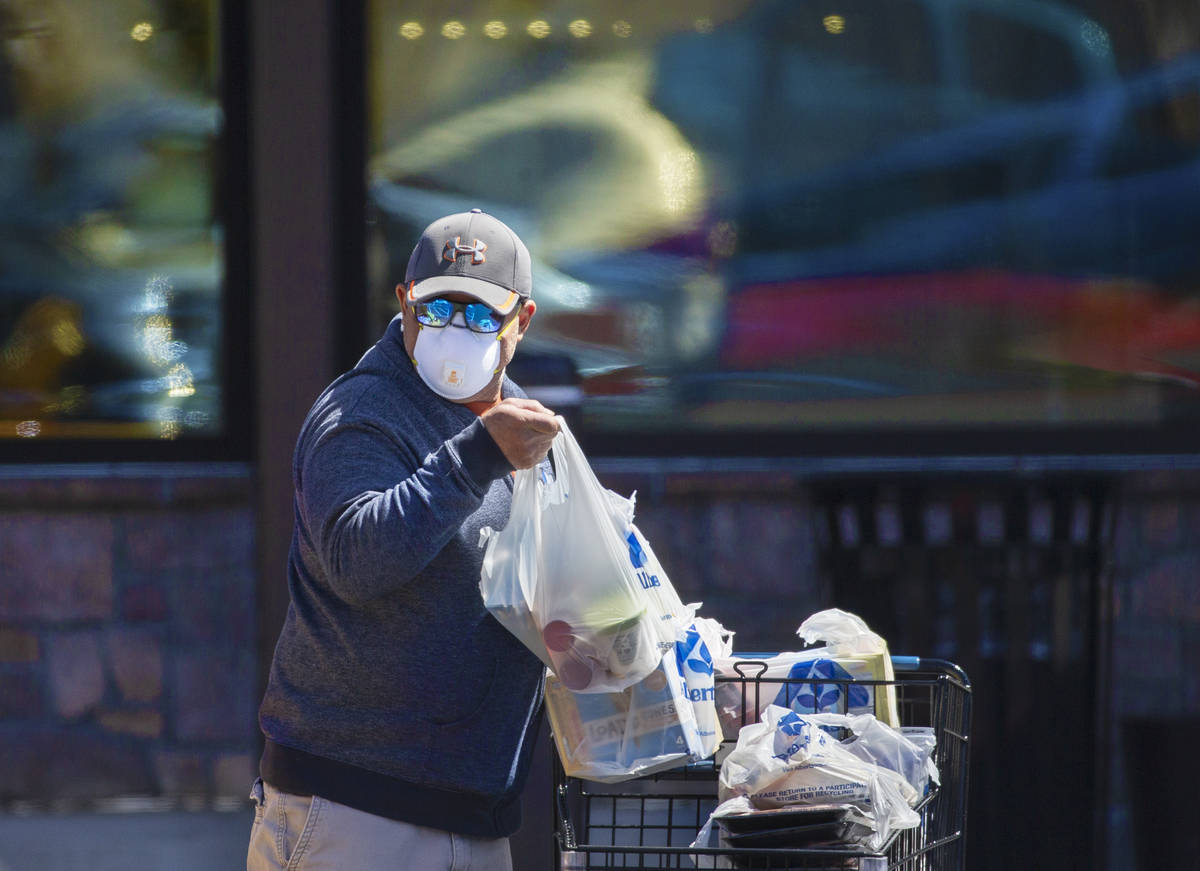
(651, 821)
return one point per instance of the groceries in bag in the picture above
(610, 737)
(814, 680)
(666, 720)
(570, 564)
(790, 760)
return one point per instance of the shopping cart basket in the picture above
(650, 822)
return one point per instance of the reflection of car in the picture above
(949, 140)
(789, 88)
(1098, 184)
(1058, 220)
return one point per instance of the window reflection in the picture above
(110, 263)
(780, 215)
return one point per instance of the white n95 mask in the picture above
(455, 362)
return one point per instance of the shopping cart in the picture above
(650, 822)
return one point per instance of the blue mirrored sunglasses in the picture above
(438, 312)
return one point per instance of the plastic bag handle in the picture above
(568, 459)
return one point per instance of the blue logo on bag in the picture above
(811, 698)
(791, 726)
(694, 652)
(637, 556)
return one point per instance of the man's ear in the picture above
(400, 288)
(525, 315)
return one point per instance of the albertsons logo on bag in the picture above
(696, 666)
(793, 734)
(637, 556)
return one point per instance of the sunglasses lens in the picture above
(434, 312)
(482, 319)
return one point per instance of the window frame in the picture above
(234, 177)
(1085, 445)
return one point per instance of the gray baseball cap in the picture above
(471, 252)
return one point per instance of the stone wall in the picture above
(999, 572)
(127, 624)
(127, 604)
(1155, 693)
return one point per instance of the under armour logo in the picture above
(453, 250)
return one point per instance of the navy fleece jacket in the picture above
(392, 689)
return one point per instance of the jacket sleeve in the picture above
(375, 514)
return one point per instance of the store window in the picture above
(815, 219)
(112, 264)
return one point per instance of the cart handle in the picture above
(899, 663)
(925, 663)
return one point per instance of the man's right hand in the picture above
(523, 428)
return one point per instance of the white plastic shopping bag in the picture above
(611, 737)
(818, 679)
(698, 644)
(565, 577)
(789, 759)
(666, 720)
(907, 752)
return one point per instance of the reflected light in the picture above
(538, 29)
(659, 190)
(580, 28)
(495, 30)
(158, 294)
(411, 30)
(1095, 38)
(722, 239)
(67, 338)
(703, 25)
(170, 424)
(156, 340)
(142, 31)
(180, 382)
(677, 172)
(697, 329)
(622, 29)
(834, 23)
(27, 429)
(453, 30)
(70, 398)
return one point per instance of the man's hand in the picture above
(523, 428)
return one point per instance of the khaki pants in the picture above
(302, 833)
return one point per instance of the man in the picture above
(399, 715)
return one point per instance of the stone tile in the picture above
(63, 764)
(135, 660)
(233, 774)
(214, 607)
(18, 645)
(207, 489)
(17, 757)
(56, 567)
(213, 696)
(22, 697)
(144, 603)
(180, 772)
(139, 724)
(75, 672)
(205, 539)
